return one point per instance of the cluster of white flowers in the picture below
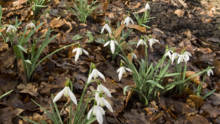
(12, 29)
(151, 41)
(100, 94)
(184, 57)
(97, 110)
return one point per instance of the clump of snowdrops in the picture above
(84, 113)
(27, 48)
(150, 77)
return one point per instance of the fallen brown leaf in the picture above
(8, 113)
(119, 30)
(197, 101)
(194, 79)
(139, 28)
(179, 12)
(29, 88)
(57, 22)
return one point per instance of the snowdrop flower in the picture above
(152, 41)
(30, 26)
(169, 54)
(112, 45)
(11, 29)
(79, 51)
(184, 57)
(128, 20)
(172, 55)
(210, 72)
(102, 89)
(106, 27)
(94, 74)
(101, 101)
(66, 92)
(121, 71)
(98, 112)
(147, 7)
(141, 42)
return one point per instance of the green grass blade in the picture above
(5, 94)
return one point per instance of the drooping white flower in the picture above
(112, 45)
(184, 57)
(94, 74)
(98, 112)
(152, 41)
(121, 71)
(79, 51)
(101, 101)
(147, 7)
(210, 72)
(11, 29)
(141, 42)
(30, 26)
(169, 54)
(128, 20)
(172, 55)
(102, 89)
(106, 27)
(66, 92)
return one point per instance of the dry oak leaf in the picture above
(179, 12)
(29, 88)
(119, 30)
(194, 79)
(57, 22)
(139, 28)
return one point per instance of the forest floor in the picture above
(184, 24)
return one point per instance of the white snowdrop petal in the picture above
(58, 96)
(120, 74)
(78, 53)
(102, 88)
(118, 70)
(106, 44)
(210, 72)
(112, 47)
(89, 113)
(74, 50)
(86, 52)
(128, 69)
(108, 105)
(101, 75)
(147, 6)
(72, 96)
(89, 78)
(99, 114)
